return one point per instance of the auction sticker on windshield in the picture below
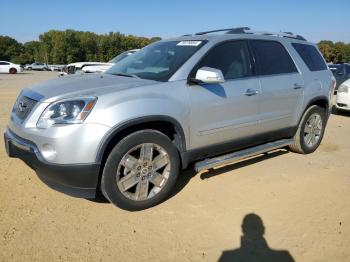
(189, 43)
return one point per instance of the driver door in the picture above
(225, 113)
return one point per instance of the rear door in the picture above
(281, 84)
(226, 112)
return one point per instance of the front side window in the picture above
(272, 58)
(158, 61)
(232, 58)
(311, 57)
(4, 63)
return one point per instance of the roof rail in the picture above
(238, 30)
(214, 31)
(247, 30)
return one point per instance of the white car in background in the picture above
(8, 67)
(343, 96)
(94, 67)
(106, 66)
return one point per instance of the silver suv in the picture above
(209, 98)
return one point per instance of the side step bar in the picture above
(238, 155)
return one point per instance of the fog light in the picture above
(48, 152)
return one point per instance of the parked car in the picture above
(8, 67)
(38, 67)
(93, 67)
(204, 98)
(105, 67)
(56, 67)
(76, 68)
(343, 97)
(341, 73)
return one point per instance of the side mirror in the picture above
(209, 75)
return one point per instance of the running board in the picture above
(238, 155)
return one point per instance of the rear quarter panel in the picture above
(317, 84)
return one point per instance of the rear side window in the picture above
(311, 57)
(272, 58)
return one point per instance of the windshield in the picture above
(121, 57)
(158, 61)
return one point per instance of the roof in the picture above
(239, 32)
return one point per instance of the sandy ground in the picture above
(302, 200)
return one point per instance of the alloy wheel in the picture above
(143, 171)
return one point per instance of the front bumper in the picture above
(343, 101)
(79, 180)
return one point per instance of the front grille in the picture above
(23, 107)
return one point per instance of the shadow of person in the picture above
(254, 247)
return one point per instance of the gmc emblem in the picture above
(21, 106)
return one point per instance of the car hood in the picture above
(83, 85)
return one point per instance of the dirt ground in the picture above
(303, 202)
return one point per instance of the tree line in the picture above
(63, 47)
(338, 52)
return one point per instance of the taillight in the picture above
(333, 85)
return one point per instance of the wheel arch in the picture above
(321, 101)
(165, 124)
(13, 68)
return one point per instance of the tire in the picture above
(311, 128)
(126, 174)
(13, 71)
(29, 69)
(335, 110)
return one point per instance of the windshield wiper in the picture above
(125, 74)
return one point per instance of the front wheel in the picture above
(141, 170)
(310, 131)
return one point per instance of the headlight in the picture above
(343, 89)
(69, 111)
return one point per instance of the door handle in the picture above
(297, 86)
(251, 92)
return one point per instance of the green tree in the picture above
(9, 48)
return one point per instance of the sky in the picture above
(25, 20)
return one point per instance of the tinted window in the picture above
(348, 69)
(272, 58)
(4, 63)
(311, 57)
(232, 58)
(336, 69)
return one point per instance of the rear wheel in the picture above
(310, 131)
(13, 71)
(140, 171)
